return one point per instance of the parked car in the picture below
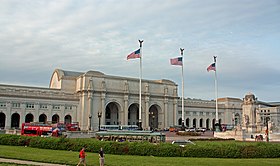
(201, 130)
(191, 129)
(182, 143)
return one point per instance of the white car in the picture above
(182, 143)
(201, 129)
(190, 129)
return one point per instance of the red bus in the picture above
(36, 129)
(74, 126)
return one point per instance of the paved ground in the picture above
(2, 160)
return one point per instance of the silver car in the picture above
(182, 143)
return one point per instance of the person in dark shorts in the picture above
(101, 157)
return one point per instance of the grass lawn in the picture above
(71, 158)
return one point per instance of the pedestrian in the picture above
(82, 157)
(101, 157)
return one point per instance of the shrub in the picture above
(208, 149)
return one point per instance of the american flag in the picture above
(133, 55)
(177, 61)
(211, 67)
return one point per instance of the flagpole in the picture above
(140, 87)
(183, 111)
(216, 95)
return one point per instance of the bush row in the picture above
(208, 149)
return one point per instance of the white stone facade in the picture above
(202, 113)
(88, 94)
(79, 97)
(19, 104)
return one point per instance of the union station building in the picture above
(80, 97)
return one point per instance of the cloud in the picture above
(97, 35)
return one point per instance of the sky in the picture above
(39, 36)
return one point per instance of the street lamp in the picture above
(266, 131)
(153, 124)
(151, 119)
(89, 128)
(99, 117)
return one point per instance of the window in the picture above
(16, 105)
(29, 105)
(179, 112)
(43, 106)
(3, 104)
(56, 107)
(194, 113)
(68, 107)
(207, 113)
(200, 113)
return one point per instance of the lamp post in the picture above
(153, 124)
(99, 117)
(266, 131)
(89, 128)
(151, 120)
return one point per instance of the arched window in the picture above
(55, 118)
(43, 118)
(29, 118)
(15, 120)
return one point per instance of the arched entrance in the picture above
(194, 123)
(153, 116)
(2, 120)
(213, 124)
(236, 119)
(67, 119)
(188, 122)
(55, 118)
(112, 114)
(15, 120)
(207, 124)
(133, 114)
(201, 122)
(29, 118)
(43, 118)
(180, 121)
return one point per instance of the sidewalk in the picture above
(2, 160)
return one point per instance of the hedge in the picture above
(207, 149)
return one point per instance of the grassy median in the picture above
(71, 158)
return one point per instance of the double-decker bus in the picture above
(36, 129)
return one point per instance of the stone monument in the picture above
(249, 108)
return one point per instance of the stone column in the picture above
(146, 112)
(36, 112)
(174, 112)
(8, 118)
(103, 111)
(90, 113)
(125, 116)
(165, 111)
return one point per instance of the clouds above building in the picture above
(39, 36)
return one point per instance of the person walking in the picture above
(82, 157)
(101, 157)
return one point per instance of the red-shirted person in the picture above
(82, 157)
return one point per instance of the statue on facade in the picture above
(246, 119)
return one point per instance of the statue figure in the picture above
(246, 119)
